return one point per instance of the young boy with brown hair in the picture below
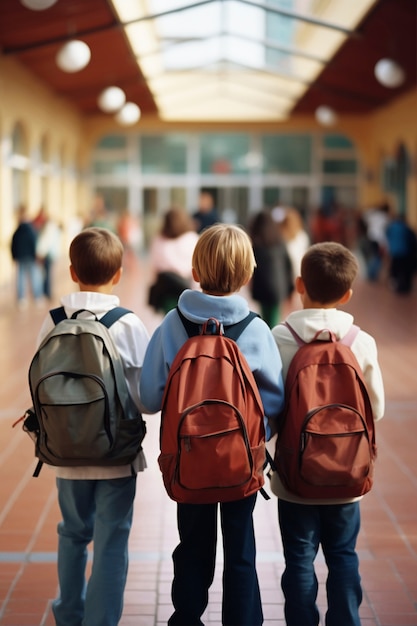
(328, 271)
(223, 263)
(97, 502)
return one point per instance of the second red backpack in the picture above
(326, 441)
(212, 430)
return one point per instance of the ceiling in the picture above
(345, 81)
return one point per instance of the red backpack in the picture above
(212, 436)
(326, 440)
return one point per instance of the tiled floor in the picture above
(28, 510)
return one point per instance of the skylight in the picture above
(247, 60)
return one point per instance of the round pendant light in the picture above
(389, 73)
(129, 114)
(326, 116)
(73, 56)
(111, 99)
(38, 5)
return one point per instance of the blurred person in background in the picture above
(170, 259)
(376, 221)
(23, 249)
(48, 249)
(207, 214)
(402, 251)
(295, 237)
(272, 280)
(130, 234)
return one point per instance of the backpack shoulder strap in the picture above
(192, 328)
(233, 331)
(58, 315)
(113, 315)
(300, 342)
(349, 338)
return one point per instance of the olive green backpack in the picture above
(82, 413)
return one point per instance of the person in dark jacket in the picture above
(402, 250)
(272, 281)
(206, 214)
(23, 249)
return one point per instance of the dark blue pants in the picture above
(195, 559)
(303, 528)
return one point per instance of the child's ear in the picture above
(74, 276)
(346, 297)
(195, 275)
(117, 276)
(299, 286)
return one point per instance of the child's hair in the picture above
(223, 259)
(96, 254)
(263, 229)
(176, 222)
(328, 270)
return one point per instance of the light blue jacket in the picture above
(255, 342)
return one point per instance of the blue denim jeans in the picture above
(98, 510)
(28, 275)
(303, 528)
(195, 559)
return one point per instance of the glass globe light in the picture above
(73, 56)
(389, 73)
(326, 116)
(37, 5)
(128, 114)
(111, 99)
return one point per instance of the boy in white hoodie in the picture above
(328, 271)
(96, 502)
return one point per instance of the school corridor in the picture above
(29, 513)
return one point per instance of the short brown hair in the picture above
(96, 254)
(176, 222)
(223, 258)
(328, 270)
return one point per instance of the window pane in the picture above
(19, 144)
(110, 167)
(270, 196)
(178, 196)
(332, 166)
(224, 154)
(337, 142)
(115, 198)
(289, 154)
(114, 142)
(163, 154)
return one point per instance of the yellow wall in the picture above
(24, 98)
(42, 114)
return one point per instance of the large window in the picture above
(245, 170)
(163, 154)
(286, 154)
(224, 153)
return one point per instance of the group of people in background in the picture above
(383, 241)
(388, 243)
(35, 246)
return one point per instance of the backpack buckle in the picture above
(212, 327)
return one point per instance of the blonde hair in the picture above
(223, 259)
(291, 224)
(96, 254)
